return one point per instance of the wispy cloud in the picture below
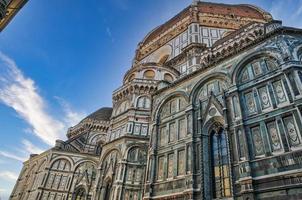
(22, 153)
(20, 93)
(9, 176)
(13, 156)
(71, 117)
(109, 33)
(30, 147)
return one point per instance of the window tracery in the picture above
(58, 176)
(61, 164)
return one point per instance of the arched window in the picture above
(220, 165)
(80, 194)
(173, 106)
(61, 164)
(144, 102)
(257, 68)
(137, 159)
(168, 77)
(137, 155)
(149, 74)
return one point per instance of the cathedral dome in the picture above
(103, 114)
(209, 14)
(242, 10)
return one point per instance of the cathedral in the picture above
(211, 108)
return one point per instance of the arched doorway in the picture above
(220, 171)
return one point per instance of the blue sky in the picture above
(61, 60)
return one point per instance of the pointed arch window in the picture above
(220, 165)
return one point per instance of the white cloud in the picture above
(20, 93)
(23, 151)
(71, 117)
(30, 147)
(109, 33)
(9, 176)
(13, 156)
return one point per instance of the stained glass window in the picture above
(220, 165)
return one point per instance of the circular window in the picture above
(149, 74)
(168, 77)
